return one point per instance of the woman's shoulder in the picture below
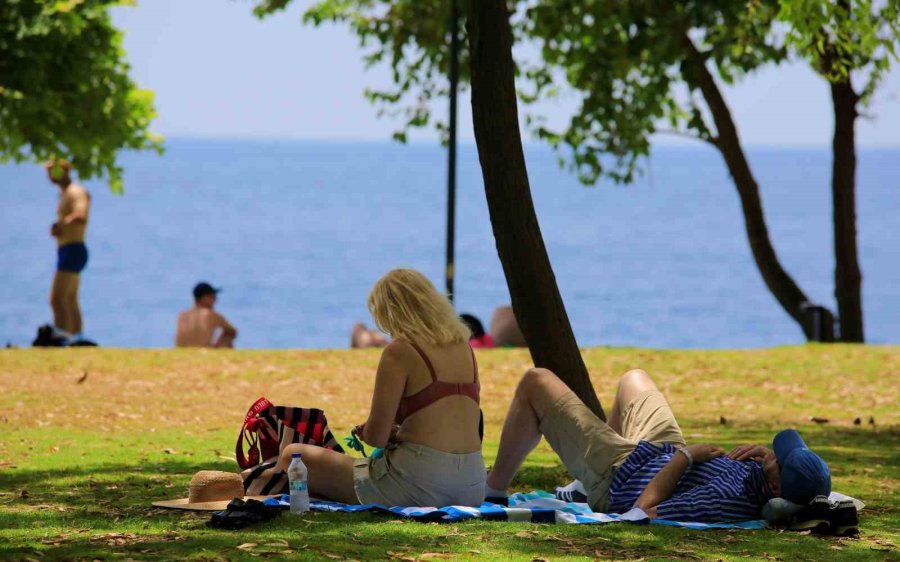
(397, 347)
(399, 351)
(408, 350)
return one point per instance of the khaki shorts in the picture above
(591, 450)
(416, 475)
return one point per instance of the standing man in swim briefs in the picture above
(198, 326)
(72, 255)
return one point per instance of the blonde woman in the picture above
(425, 411)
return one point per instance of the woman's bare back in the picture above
(451, 423)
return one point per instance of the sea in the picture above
(296, 233)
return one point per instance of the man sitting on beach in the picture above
(199, 326)
(504, 330)
(640, 458)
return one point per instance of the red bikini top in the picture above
(438, 389)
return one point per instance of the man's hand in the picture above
(55, 230)
(703, 453)
(748, 452)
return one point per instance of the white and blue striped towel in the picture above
(535, 507)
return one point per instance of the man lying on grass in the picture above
(640, 459)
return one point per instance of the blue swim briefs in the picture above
(72, 258)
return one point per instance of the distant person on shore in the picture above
(71, 253)
(505, 328)
(201, 326)
(479, 337)
(362, 337)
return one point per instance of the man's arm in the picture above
(80, 204)
(228, 333)
(178, 330)
(663, 484)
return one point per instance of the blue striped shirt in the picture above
(719, 490)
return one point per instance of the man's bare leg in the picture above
(72, 304)
(59, 291)
(536, 393)
(631, 385)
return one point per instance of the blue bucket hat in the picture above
(804, 475)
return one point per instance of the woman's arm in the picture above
(390, 382)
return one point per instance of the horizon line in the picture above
(686, 143)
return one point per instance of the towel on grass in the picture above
(535, 507)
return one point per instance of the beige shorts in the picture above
(416, 475)
(591, 450)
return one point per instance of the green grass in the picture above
(80, 462)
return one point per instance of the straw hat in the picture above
(210, 490)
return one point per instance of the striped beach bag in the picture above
(267, 430)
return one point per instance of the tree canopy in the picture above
(643, 67)
(851, 44)
(65, 89)
(845, 39)
(624, 60)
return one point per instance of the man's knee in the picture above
(534, 380)
(635, 376)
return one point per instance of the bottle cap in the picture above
(296, 455)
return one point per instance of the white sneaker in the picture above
(572, 492)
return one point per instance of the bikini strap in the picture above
(425, 358)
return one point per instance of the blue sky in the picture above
(219, 72)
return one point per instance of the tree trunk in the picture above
(847, 277)
(535, 296)
(816, 322)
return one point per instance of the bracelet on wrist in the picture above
(688, 455)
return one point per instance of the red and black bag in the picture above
(267, 430)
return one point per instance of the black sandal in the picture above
(242, 513)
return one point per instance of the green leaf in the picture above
(65, 89)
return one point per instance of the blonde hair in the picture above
(405, 305)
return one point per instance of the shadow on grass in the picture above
(114, 489)
(103, 510)
(365, 536)
(541, 478)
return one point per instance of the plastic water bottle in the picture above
(299, 484)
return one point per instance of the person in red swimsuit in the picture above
(425, 409)
(479, 339)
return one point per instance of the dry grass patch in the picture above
(213, 388)
(91, 436)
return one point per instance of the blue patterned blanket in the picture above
(535, 507)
